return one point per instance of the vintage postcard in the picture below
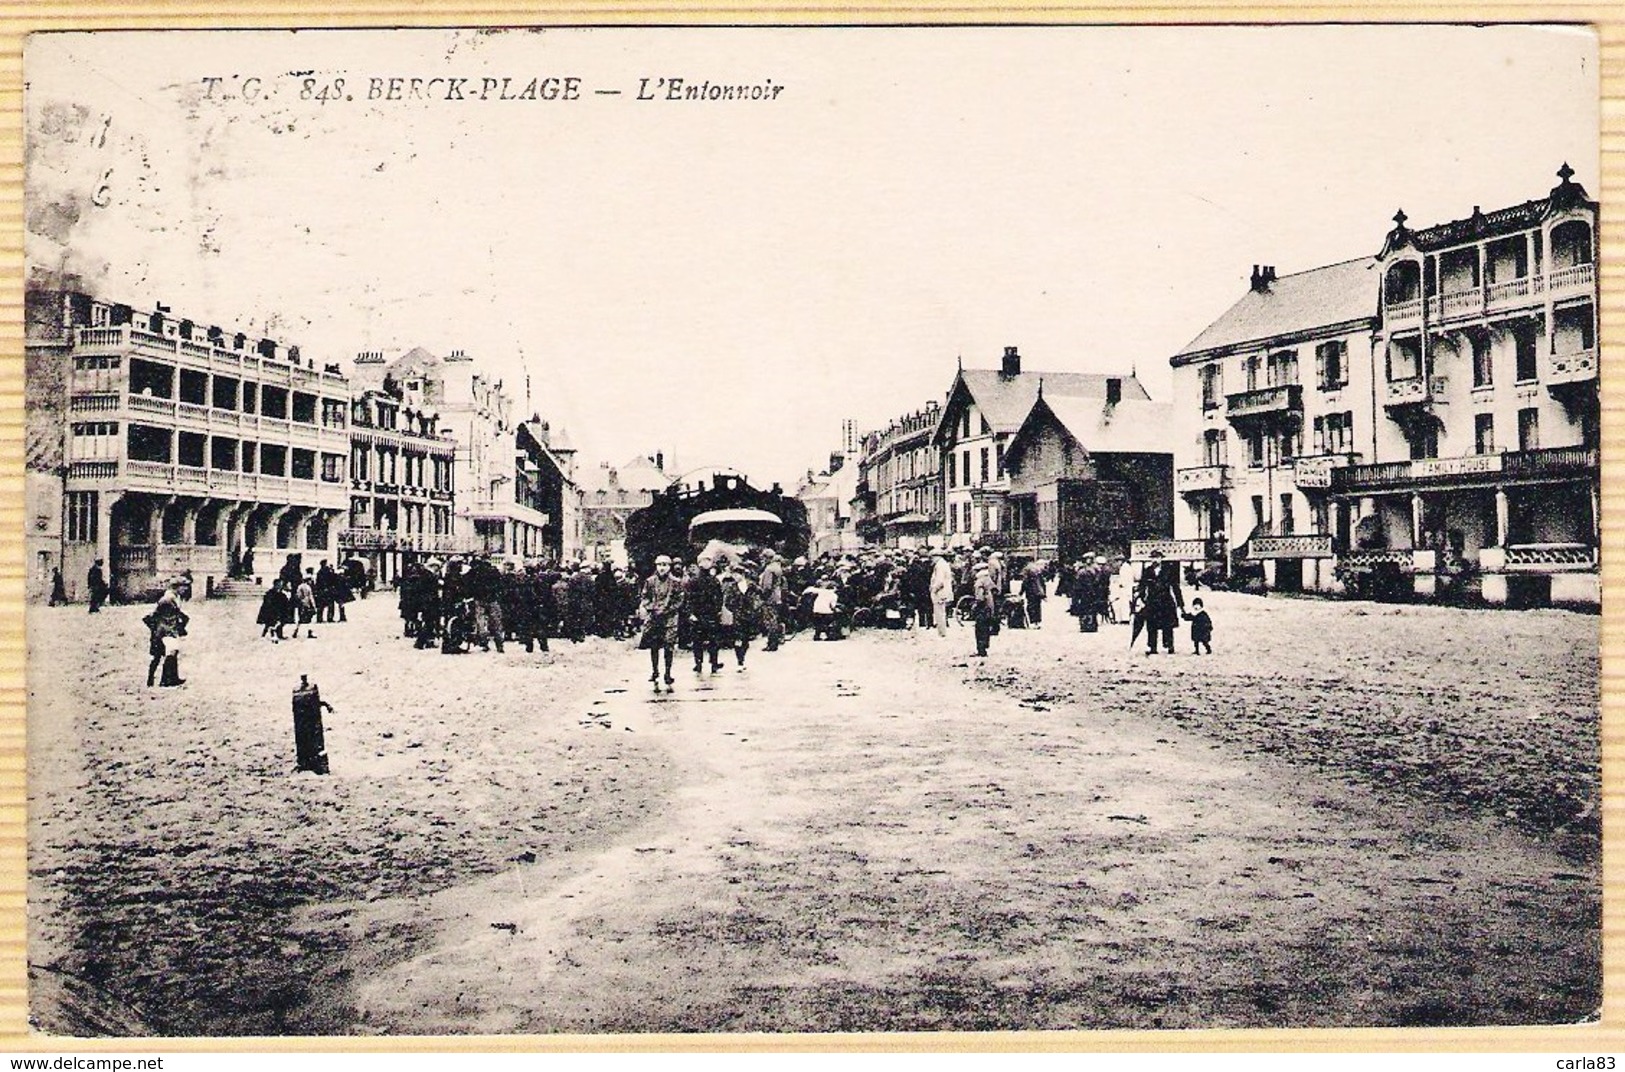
(763, 529)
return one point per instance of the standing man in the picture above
(97, 583)
(59, 591)
(942, 590)
(1162, 601)
(1032, 589)
(703, 604)
(660, 605)
(772, 587)
(986, 608)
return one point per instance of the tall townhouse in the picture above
(1445, 439)
(1484, 470)
(160, 445)
(984, 409)
(402, 486)
(900, 481)
(1268, 400)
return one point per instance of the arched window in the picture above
(1571, 244)
(1402, 284)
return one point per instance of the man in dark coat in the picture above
(97, 583)
(702, 603)
(582, 593)
(1162, 601)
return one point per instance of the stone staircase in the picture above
(236, 588)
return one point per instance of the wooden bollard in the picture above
(308, 740)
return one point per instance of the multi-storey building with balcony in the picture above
(1268, 400)
(402, 478)
(160, 445)
(610, 495)
(1484, 469)
(488, 515)
(985, 407)
(900, 482)
(1456, 447)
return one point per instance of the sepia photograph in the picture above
(635, 530)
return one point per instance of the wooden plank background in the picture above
(20, 17)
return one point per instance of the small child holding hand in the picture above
(1201, 628)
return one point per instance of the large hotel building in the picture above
(1426, 417)
(159, 445)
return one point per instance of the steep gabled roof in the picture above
(1292, 305)
(1006, 400)
(1133, 426)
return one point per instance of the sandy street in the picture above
(1352, 814)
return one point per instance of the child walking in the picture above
(1201, 628)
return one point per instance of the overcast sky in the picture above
(728, 280)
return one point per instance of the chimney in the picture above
(836, 460)
(1011, 365)
(660, 460)
(1114, 390)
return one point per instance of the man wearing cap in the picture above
(771, 584)
(985, 608)
(659, 606)
(702, 602)
(97, 583)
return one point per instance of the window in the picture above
(953, 474)
(1212, 385)
(223, 453)
(967, 517)
(248, 457)
(81, 517)
(953, 518)
(251, 393)
(304, 407)
(194, 387)
(274, 459)
(224, 392)
(1213, 447)
(1255, 450)
(1405, 358)
(1529, 429)
(1424, 442)
(985, 428)
(1320, 446)
(1331, 361)
(1283, 368)
(274, 402)
(1286, 513)
(998, 459)
(984, 465)
(1258, 511)
(965, 479)
(1483, 363)
(1251, 367)
(332, 468)
(147, 444)
(1484, 433)
(1526, 336)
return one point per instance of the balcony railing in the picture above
(1177, 550)
(1578, 367)
(1577, 277)
(1308, 545)
(147, 404)
(1401, 312)
(1535, 556)
(1368, 559)
(100, 470)
(1202, 478)
(1265, 401)
(99, 402)
(1457, 304)
(1512, 292)
(1414, 390)
(1556, 462)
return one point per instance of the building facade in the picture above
(1467, 461)
(985, 407)
(488, 516)
(162, 446)
(610, 495)
(1270, 399)
(544, 475)
(402, 479)
(899, 499)
(1088, 475)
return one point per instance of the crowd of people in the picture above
(303, 597)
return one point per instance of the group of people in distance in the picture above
(1153, 601)
(302, 598)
